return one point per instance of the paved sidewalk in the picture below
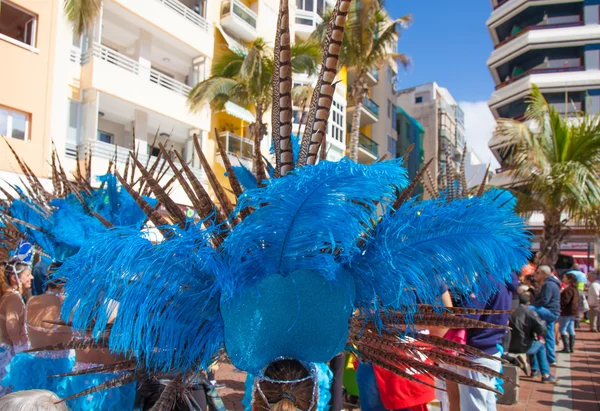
(578, 390)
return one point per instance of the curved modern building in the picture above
(554, 44)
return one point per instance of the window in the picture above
(153, 151)
(418, 99)
(14, 124)
(105, 137)
(392, 145)
(337, 121)
(17, 25)
(307, 5)
(389, 108)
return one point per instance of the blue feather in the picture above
(116, 205)
(311, 219)
(245, 177)
(426, 242)
(168, 299)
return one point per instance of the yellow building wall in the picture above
(26, 85)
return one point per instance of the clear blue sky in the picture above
(449, 43)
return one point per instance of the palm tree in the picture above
(370, 36)
(82, 13)
(244, 77)
(556, 163)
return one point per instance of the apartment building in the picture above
(442, 120)
(553, 44)
(27, 47)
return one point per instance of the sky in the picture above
(449, 43)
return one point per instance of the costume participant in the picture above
(29, 371)
(15, 281)
(321, 259)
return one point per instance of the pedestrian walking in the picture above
(569, 310)
(593, 296)
(547, 306)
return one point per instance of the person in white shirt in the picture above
(594, 300)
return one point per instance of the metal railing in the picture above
(368, 144)
(240, 10)
(375, 73)
(538, 27)
(111, 56)
(542, 70)
(169, 83)
(187, 13)
(371, 106)
(237, 146)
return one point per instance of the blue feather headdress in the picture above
(319, 259)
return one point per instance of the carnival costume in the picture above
(59, 223)
(320, 259)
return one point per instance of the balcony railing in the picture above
(187, 13)
(104, 53)
(241, 10)
(368, 144)
(540, 70)
(375, 73)
(371, 106)
(540, 27)
(236, 145)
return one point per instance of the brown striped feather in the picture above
(481, 189)
(214, 182)
(150, 212)
(113, 383)
(407, 192)
(112, 368)
(168, 397)
(161, 196)
(322, 97)
(282, 97)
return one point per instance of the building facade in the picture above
(123, 84)
(442, 120)
(553, 44)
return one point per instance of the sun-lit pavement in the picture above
(578, 390)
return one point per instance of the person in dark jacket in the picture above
(488, 341)
(569, 310)
(547, 306)
(526, 326)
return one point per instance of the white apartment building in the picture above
(442, 119)
(553, 44)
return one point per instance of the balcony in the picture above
(371, 77)
(369, 113)
(238, 147)
(575, 23)
(306, 22)
(239, 20)
(174, 18)
(102, 153)
(541, 70)
(115, 74)
(369, 145)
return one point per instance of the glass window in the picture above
(105, 137)
(14, 124)
(235, 146)
(308, 5)
(391, 145)
(389, 108)
(418, 99)
(17, 23)
(320, 7)
(247, 149)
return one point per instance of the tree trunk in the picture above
(258, 131)
(555, 230)
(359, 92)
(355, 136)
